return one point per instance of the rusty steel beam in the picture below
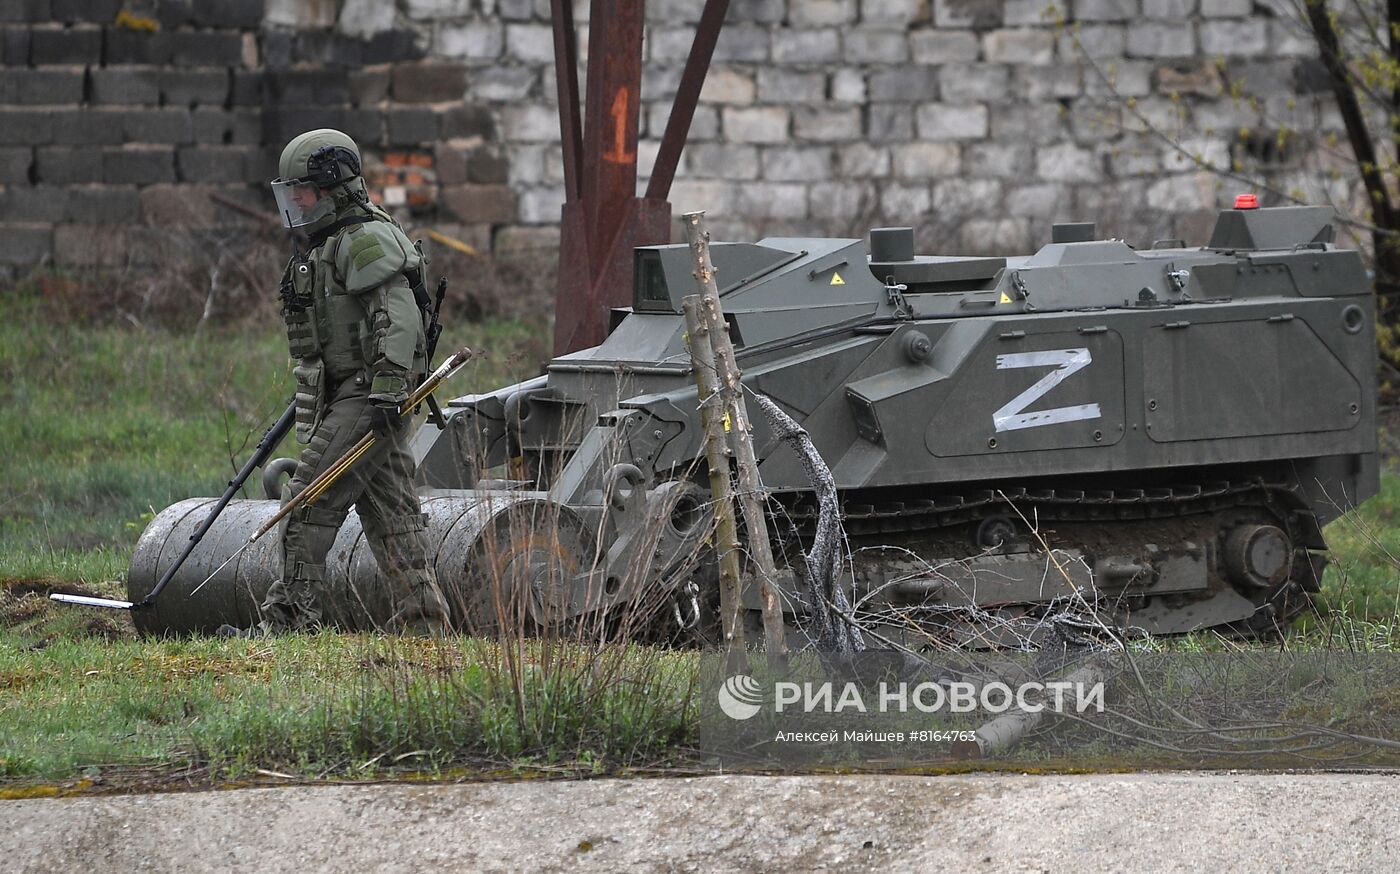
(611, 115)
(603, 219)
(697, 65)
(566, 80)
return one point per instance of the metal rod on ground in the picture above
(752, 495)
(702, 358)
(1006, 731)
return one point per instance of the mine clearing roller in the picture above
(1176, 424)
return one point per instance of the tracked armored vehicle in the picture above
(1175, 424)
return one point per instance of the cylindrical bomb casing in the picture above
(356, 597)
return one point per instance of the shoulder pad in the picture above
(371, 254)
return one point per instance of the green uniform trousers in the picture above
(380, 488)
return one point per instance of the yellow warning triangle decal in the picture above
(1005, 298)
(837, 280)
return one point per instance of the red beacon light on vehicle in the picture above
(1246, 201)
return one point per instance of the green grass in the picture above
(347, 705)
(1363, 580)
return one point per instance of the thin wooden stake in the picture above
(739, 430)
(702, 361)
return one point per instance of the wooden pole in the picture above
(702, 360)
(739, 428)
(752, 495)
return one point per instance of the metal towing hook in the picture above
(633, 506)
(692, 592)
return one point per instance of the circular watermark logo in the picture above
(740, 697)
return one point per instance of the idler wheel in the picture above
(1258, 555)
(994, 532)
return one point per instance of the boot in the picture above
(401, 552)
(236, 633)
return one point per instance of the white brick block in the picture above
(948, 121)
(926, 160)
(755, 124)
(1066, 162)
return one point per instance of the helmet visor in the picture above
(296, 201)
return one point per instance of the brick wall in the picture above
(980, 121)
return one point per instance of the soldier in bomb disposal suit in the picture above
(355, 331)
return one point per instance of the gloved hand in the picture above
(384, 419)
(387, 392)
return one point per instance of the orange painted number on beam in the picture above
(620, 154)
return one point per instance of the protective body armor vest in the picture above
(351, 313)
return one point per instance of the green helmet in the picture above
(326, 157)
(313, 162)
